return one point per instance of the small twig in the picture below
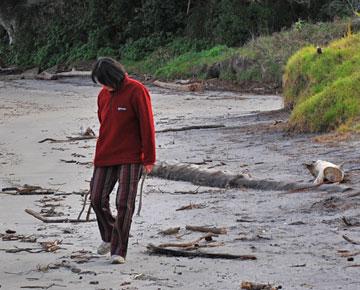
(346, 238)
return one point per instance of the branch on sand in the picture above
(212, 178)
(256, 286)
(193, 244)
(69, 139)
(152, 249)
(216, 231)
(190, 128)
(346, 238)
(47, 220)
(27, 190)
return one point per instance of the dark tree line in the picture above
(58, 26)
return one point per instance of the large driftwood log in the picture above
(192, 87)
(177, 253)
(324, 170)
(213, 178)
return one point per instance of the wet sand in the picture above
(295, 236)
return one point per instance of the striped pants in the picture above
(115, 229)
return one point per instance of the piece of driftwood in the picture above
(84, 205)
(190, 206)
(48, 220)
(141, 193)
(170, 231)
(324, 170)
(42, 287)
(256, 286)
(347, 254)
(69, 139)
(28, 250)
(190, 128)
(27, 190)
(220, 179)
(152, 249)
(192, 87)
(216, 231)
(346, 238)
(188, 245)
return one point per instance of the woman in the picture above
(126, 146)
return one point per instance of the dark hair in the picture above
(107, 71)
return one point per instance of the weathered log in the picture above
(192, 87)
(217, 231)
(47, 220)
(152, 249)
(220, 179)
(324, 170)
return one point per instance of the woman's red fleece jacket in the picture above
(127, 133)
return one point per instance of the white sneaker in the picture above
(115, 259)
(104, 248)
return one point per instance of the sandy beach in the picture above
(296, 237)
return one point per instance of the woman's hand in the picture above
(148, 168)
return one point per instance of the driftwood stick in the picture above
(346, 238)
(213, 178)
(141, 193)
(256, 286)
(190, 128)
(88, 213)
(47, 220)
(69, 139)
(84, 205)
(190, 206)
(170, 231)
(42, 287)
(207, 237)
(217, 231)
(28, 250)
(177, 253)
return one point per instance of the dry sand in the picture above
(295, 236)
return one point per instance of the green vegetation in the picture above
(61, 32)
(261, 59)
(324, 88)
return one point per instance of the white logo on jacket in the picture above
(121, 109)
